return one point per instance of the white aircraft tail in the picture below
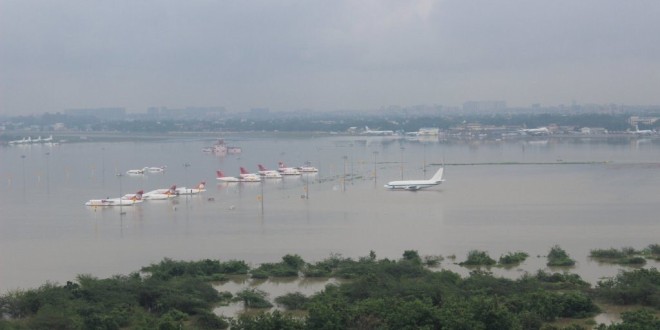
(438, 176)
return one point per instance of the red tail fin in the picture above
(244, 171)
(219, 173)
(262, 168)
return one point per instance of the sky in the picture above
(325, 55)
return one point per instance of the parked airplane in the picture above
(269, 174)
(126, 200)
(643, 131)
(287, 170)
(367, 131)
(161, 193)
(136, 172)
(307, 168)
(221, 176)
(191, 191)
(536, 131)
(245, 175)
(414, 185)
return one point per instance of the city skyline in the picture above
(325, 56)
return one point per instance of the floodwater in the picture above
(499, 196)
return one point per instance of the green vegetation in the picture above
(292, 301)
(558, 257)
(640, 286)
(624, 256)
(381, 294)
(478, 258)
(513, 258)
(288, 267)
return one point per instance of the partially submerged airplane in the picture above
(246, 176)
(221, 177)
(287, 170)
(536, 131)
(191, 191)
(269, 174)
(161, 193)
(126, 200)
(368, 131)
(414, 185)
(642, 131)
(307, 168)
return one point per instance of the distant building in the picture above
(636, 120)
(483, 106)
(100, 113)
(259, 111)
(189, 113)
(428, 131)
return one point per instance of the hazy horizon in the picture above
(288, 55)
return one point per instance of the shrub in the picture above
(292, 301)
(513, 258)
(478, 258)
(559, 257)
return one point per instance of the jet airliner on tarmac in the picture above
(414, 185)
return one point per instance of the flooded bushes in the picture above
(381, 293)
(478, 258)
(513, 258)
(640, 286)
(557, 257)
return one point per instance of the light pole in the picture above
(352, 160)
(343, 181)
(375, 154)
(261, 183)
(121, 201)
(402, 148)
(23, 166)
(47, 173)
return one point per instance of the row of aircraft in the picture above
(30, 140)
(140, 196)
(264, 173)
(245, 176)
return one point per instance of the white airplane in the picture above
(287, 170)
(367, 131)
(191, 191)
(643, 131)
(136, 172)
(221, 176)
(155, 169)
(307, 168)
(126, 200)
(269, 174)
(536, 131)
(247, 176)
(49, 139)
(160, 194)
(414, 185)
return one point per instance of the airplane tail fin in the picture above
(243, 170)
(138, 195)
(201, 185)
(219, 174)
(262, 168)
(281, 164)
(438, 176)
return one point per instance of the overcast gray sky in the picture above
(325, 55)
